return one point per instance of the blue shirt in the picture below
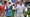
(13, 1)
(8, 11)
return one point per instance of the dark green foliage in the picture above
(13, 13)
(28, 12)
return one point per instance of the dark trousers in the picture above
(25, 16)
(8, 16)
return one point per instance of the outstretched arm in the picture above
(14, 7)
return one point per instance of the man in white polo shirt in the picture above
(20, 8)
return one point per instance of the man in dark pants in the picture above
(26, 3)
(25, 6)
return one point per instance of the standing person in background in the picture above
(0, 8)
(26, 3)
(13, 1)
(0, 11)
(20, 9)
(9, 10)
(3, 8)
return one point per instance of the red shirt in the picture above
(3, 8)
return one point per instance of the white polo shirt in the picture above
(20, 8)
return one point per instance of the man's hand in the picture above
(14, 7)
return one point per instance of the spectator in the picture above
(0, 3)
(3, 8)
(9, 10)
(0, 8)
(20, 8)
(0, 11)
(13, 1)
(26, 3)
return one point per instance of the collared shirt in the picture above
(20, 8)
